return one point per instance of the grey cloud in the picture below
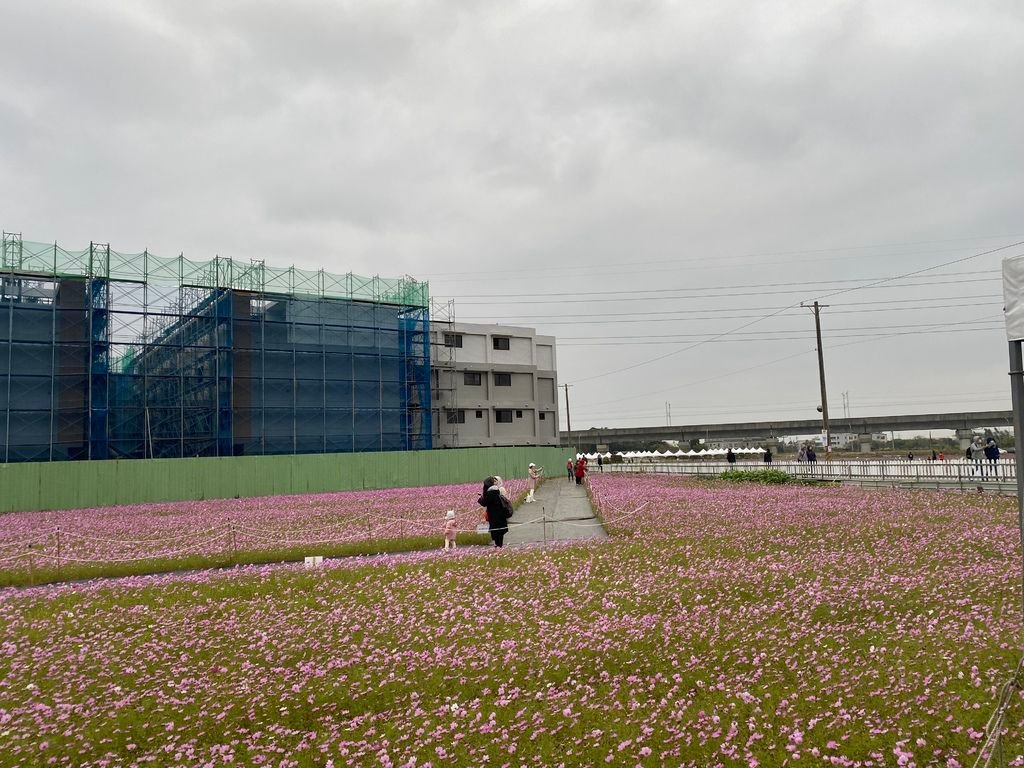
(446, 137)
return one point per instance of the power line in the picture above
(663, 321)
(648, 291)
(713, 260)
(634, 366)
(774, 408)
(623, 298)
(807, 337)
(716, 314)
(922, 271)
(676, 335)
(766, 364)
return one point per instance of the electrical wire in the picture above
(717, 314)
(731, 331)
(801, 284)
(748, 339)
(712, 262)
(772, 408)
(747, 369)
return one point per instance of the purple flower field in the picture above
(182, 530)
(720, 625)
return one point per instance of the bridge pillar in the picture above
(965, 436)
(865, 443)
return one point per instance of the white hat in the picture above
(450, 514)
(532, 465)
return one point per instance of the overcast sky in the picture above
(632, 177)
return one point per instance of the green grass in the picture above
(50, 574)
(762, 476)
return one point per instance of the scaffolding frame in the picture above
(139, 356)
(444, 357)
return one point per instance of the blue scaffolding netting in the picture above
(115, 355)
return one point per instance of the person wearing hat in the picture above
(534, 472)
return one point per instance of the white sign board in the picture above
(1013, 297)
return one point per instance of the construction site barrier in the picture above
(36, 486)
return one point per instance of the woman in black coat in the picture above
(499, 510)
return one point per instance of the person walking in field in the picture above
(534, 474)
(497, 510)
(451, 527)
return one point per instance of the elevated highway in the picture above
(627, 437)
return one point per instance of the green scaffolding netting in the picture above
(49, 259)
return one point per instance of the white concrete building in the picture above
(493, 385)
(841, 440)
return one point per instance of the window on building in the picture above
(456, 417)
(472, 379)
(501, 342)
(453, 340)
(542, 416)
(503, 416)
(479, 414)
(519, 414)
(503, 379)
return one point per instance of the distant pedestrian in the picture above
(568, 469)
(600, 463)
(992, 455)
(730, 456)
(910, 456)
(978, 453)
(451, 527)
(497, 510)
(534, 472)
(802, 454)
(942, 455)
(768, 456)
(812, 457)
(580, 470)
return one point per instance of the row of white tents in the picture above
(670, 454)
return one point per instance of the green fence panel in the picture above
(83, 484)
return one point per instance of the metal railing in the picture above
(960, 471)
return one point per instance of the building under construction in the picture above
(108, 355)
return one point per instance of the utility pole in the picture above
(668, 414)
(568, 420)
(816, 308)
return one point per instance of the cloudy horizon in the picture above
(658, 186)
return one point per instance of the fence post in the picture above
(57, 536)
(31, 566)
(234, 543)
